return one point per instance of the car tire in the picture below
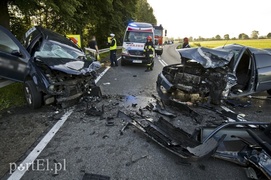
(32, 95)
(269, 92)
(159, 53)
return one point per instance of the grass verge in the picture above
(11, 96)
(256, 43)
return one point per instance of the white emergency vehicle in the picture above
(133, 43)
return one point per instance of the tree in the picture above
(226, 36)
(217, 37)
(84, 17)
(243, 36)
(144, 12)
(254, 34)
(268, 35)
(4, 17)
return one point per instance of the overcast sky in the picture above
(208, 18)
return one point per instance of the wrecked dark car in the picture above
(224, 72)
(52, 67)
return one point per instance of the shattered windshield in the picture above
(54, 49)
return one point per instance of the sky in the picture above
(208, 18)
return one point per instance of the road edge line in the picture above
(29, 160)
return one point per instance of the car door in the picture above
(263, 62)
(13, 57)
(245, 71)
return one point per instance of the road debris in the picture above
(93, 111)
(135, 160)
(237, 103)
(172, 138)
(247, 144)
(124, 127)
(91, 176)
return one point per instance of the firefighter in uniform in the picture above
(149, 53)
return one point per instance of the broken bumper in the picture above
(173, 138)
(162, 81)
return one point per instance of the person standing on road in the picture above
(149, 53)
(93, 45)
(113, 50)
(186, 43)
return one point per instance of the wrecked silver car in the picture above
(228, 71)
(52, 67)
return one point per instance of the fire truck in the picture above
(158, 35)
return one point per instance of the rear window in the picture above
(263, 60)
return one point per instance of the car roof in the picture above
(140, 25)
(50, 35)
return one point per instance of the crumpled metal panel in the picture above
(208, 58)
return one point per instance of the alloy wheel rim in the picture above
(28, 95)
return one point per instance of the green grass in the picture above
(12, 95)
(257, 43)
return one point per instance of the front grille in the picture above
(136, 52)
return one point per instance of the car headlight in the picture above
(124, 51)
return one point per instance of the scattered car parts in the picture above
(246, 143)
(174, 139)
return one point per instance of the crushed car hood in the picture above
(70, 66)
(208, 58)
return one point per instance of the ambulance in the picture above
(133, 43)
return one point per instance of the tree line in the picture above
(254, 35)
(84, 17)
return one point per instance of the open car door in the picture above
(245, 71)
(13, 57)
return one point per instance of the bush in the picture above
(197, 44)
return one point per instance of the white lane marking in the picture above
(29, 160)
(103, 73)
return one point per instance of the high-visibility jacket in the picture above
(113, 45)
(148, 47)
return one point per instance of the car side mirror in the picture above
(16, 53)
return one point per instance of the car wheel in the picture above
(32, 95)
(159, 53)
(269, 92)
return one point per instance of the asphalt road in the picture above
(85, 144)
